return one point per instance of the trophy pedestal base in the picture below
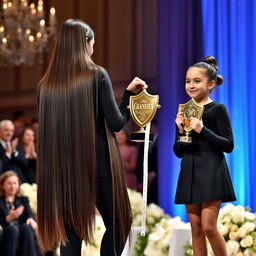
(140, 137)
(185, 139)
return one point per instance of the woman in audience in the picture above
(16, 218)
(27, 142)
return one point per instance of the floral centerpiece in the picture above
(30, 191)
(238, 227)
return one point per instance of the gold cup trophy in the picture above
(143, 109)
(189, 109)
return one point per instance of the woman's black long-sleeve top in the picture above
(116, 117)
(204, 174)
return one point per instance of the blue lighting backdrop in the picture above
(226, 30)
(230, 35)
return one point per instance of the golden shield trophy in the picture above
(143, 109)
(189, 109)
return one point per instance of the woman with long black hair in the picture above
(79, 165)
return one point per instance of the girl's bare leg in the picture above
(210, 211)
(198, 236)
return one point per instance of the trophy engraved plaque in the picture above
(189, 109)
(143, 108)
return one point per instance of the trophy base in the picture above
(140, 137)
(185, 139)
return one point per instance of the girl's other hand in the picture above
(180, 122)
(196, 124)
(136, 84)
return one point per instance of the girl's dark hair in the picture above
(67, 97)
(3, 178)
(209, 63)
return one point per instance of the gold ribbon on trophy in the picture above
(143, 109)
(189, 109)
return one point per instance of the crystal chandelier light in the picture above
(23, 32)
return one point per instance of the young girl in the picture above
(204, 180)
(16, 218)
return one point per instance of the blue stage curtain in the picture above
(180, 45)
(230, 35)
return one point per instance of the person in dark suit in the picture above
(77, 149)
(16, 218)
(10, 152)
(204, 181)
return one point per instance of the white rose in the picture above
(249, 252)
(233, 228)
(246, 242)
(155, 211)
(249, 226)
(233, 235)
(249, 216)
(238, 217)
(157, 234)
(150, 220)
(223, 229)
(227, 219)
(227, 208)
(137, 220)
(241, 232)
(232, 247)
(240, 208)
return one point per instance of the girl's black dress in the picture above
(204, 174)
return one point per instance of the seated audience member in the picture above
(16, 218)
(10, 154)
(27, 145)
(129, 156)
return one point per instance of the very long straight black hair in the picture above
(66, 147)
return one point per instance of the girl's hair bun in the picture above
(212, 61)
(219, 80)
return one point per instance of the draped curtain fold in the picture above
(230, 35)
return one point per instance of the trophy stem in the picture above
(141, 130)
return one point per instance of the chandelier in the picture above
(23, 32)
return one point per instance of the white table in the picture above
(129, 251)
(180, 238)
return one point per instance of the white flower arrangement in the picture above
(160, 236)
(238, 227)
(30, 191)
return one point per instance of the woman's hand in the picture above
(33, 151)
(14, 144)
(196, 124)
(30, 151)
(180, 122)
(136, 84)
(32, 222)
